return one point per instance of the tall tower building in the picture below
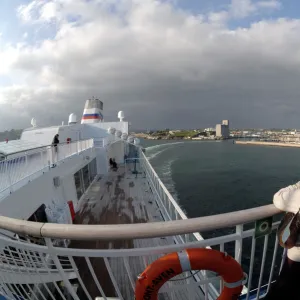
(222, 130)
(225, 122)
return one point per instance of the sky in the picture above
(165, 63)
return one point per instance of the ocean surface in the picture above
(211, 177)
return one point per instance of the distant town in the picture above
(219, 132)
(222, 131)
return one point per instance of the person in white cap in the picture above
(288, 283)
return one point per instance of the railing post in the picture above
(42, 163)
(170, 210)
(239, 244)
(51, 251)
(52, 150)
(262, 268)
(8, 176)
(26, 159)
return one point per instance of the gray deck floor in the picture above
(121, 197)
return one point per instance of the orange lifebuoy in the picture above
(168, 266)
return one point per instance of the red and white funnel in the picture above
(93, 111)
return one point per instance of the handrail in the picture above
(34, 163)
(41, 147)
(170, 197)
(139, 230)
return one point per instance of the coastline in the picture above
(274, 144)
(174, 138)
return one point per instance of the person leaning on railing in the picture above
(55, 142)
(287, 283)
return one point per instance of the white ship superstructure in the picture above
(124, 219)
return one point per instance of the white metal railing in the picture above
(171, 211)
(36, 268)
(17, 169)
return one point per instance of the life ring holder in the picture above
(170, 265)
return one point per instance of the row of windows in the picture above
(84, 177)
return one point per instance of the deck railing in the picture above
(171, 209)
(21, 167)
(38, 268)
(33, 266)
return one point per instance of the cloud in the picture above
(272, 4)
(244, 8)
(220, 17)
(165, 67)
(28, 12)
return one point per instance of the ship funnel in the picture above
(93, 110)
(72, 119)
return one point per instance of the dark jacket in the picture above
(55, 140)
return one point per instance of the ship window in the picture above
(92, 169)
(78, 184)
(86, 179)
(39, 215)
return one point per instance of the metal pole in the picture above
(8, 176)
(239, 244)
(58, 265)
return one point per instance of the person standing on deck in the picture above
(287, 283)
(55, 142)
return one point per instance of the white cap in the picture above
(294, 254)
(288, 198)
